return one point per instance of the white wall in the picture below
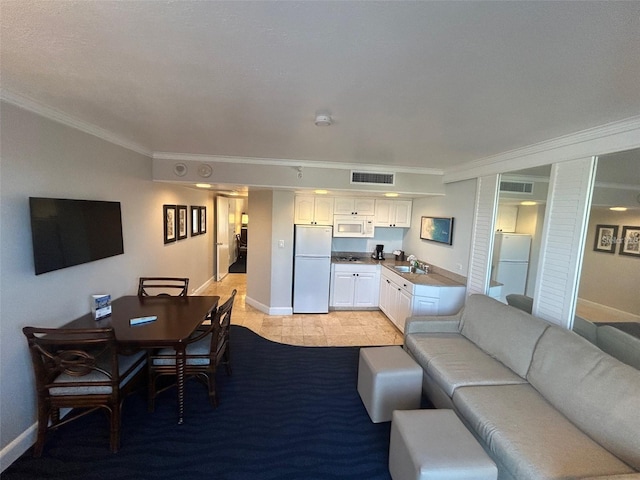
(458, 202)
(43, 158)
(259, 249)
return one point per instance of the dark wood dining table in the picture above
(177, 319)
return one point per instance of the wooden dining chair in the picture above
(155, 286)
(79, 369)
(205, 350)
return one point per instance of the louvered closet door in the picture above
(563, 240)
(482, 239)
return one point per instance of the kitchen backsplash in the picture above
(391, 238)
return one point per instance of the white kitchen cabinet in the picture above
(354, 286)
(354, 206)
(400, 298)
(310, 210)
(507, 218)
(393, 213)
(395, 298)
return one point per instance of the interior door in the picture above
(222, 237)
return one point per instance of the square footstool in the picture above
(388, 379)
(435, 444)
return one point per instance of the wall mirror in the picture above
(518, 232)
(610, 274)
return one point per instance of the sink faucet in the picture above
(411, 259)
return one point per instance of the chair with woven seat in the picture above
(156, 286)
(205, 350)
(79, 369)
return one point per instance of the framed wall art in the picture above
(606, 238)
(195, 221)
(183, 221)
(169, 216)
(437, 229)
(630, 241)
(203, 219)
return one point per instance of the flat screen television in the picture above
(67, 232)
(437, 229)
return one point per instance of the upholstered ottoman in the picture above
(388, 379)
(434, 444)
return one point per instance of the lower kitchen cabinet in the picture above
(354, 286)
(400, 298)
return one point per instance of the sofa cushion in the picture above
(529, 437)
(504, 332)
(453, 361)
(598, 393)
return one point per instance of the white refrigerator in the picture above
(311, 268)
(510, 262)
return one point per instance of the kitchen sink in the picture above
(408, 269)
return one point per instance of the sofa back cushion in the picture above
(598, 393)
(620, 345)
(506, 333)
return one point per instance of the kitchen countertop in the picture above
(436, 277)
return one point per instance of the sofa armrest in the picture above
(433, 324)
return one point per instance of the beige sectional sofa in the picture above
(544, 402)
(615, 342)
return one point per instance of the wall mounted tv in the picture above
(70, 232)
(437, 229)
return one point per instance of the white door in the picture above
(366, 287)
(222, 237)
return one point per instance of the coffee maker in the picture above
(377, 255)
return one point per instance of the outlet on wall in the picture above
(280, 243)
(459, 267)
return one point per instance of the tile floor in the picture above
(355, 328)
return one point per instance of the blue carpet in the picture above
(287, 412)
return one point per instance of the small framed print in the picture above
(195, 221)
(203, 219)
(169, 216)
(630, 241)
(183, 221)
(606, 238)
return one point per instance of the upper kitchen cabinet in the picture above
(354, 206)
(310, 210)
(393, 213)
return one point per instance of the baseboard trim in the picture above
(266, 309)
(18, 446)
(203, 287)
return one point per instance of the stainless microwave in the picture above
(355, 226)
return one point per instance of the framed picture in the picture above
(169, 216)
(606, 238)
(195, 221)
(203, 219)
(437, 229)
(630, 242)
(183, 221)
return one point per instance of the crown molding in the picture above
(50, 113)
(609, 138)
(187, 157)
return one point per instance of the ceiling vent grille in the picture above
(516, 187)
(372, 178)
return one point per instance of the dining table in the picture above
(176, 318)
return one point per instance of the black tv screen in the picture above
(70, 232)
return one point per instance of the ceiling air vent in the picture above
(516, 187)
(372, 178)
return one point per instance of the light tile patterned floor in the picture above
(354, 328)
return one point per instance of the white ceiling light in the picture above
(323, 120)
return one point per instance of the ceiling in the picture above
(415, 84)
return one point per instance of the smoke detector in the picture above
(323, 120)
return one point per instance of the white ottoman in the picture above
(388, 379)
(434, 444)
